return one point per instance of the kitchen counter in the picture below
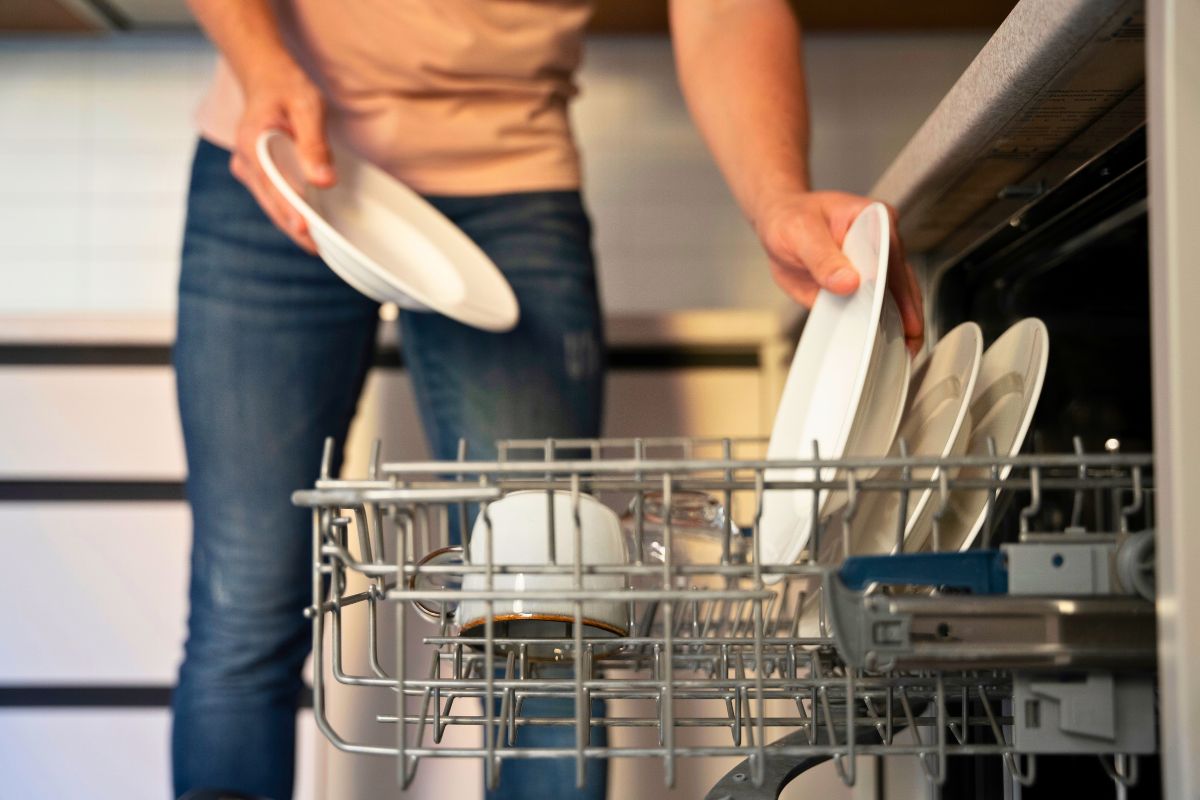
(725, 328)
(1059, 81)
(90, 399)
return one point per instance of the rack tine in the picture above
(361, 529)
(732, 697)
(814, 534)
(906, 478)
(430, 694)
(943, 505)
(491, 767)
(727, 523)
(743, 701)
(639, 501)
(668, 685)
(959, 729)
(551, 534)
(327, 458)
(847, 764)
(989, 514)
(377, 532)
(1035, 498)
(1026, 776)
(583, 723)
(1137, 500)
(849, 511)
(756, 544)
(1077, 498)
(940, 701)
(522, 667)
(874, 714)
(757, 765)
(373, 596)
(507, 718)
(461, 509)
(1122, 769)
(375, 461)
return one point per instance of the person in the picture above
(466, 102)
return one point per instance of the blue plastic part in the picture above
(976, 571)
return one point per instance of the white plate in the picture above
(1002, 406)
(387, 242)
(936, 424)
(845, 339)
(882, 407)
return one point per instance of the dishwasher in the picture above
(716, 648)
(1046, 657)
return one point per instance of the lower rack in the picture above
(777, 667)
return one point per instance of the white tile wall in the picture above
(94, 141)
(95, 137)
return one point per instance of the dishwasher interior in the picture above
(1010, 670)
(1077, 258)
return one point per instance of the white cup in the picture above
(520, 537)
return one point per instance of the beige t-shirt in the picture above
(457, 97)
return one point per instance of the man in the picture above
(466, 102)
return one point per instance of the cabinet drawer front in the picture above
(104, 592)
(79, 423)
(108, 754)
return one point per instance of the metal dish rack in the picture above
(730, 660)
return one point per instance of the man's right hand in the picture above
(283, 97)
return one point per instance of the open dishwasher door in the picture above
(1060, 180)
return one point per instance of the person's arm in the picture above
(741, 67)
(277, 94)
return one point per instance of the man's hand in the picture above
(803, 232)
(276, 94)
(741, 66)
(283, 97)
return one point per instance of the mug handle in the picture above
(437, 557)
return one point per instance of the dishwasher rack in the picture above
(740, 668)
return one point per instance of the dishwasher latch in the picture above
(1032, 605)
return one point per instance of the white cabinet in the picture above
(102, 581)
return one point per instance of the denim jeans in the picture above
(271, 354)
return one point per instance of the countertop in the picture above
(1050, 71)
(724, 328)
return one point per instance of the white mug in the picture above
(520, 536)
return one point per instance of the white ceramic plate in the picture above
(387, 242)
(1002, 406)
(878, 416)
(845, 339)
(936, 424)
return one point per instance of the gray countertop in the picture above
(1038, 82)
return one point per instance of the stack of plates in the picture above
(844, 394)
(849, 393)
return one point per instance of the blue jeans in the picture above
(271, 355)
